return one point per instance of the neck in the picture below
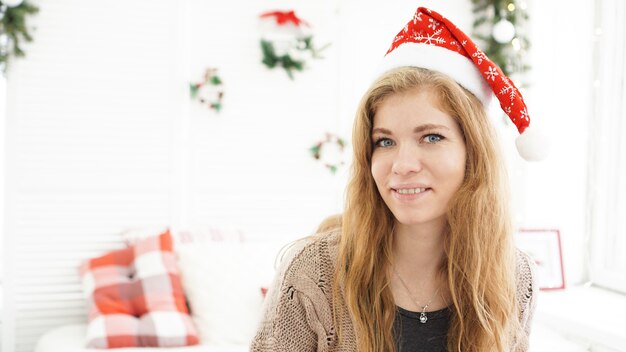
(417, 257)
(418, 250)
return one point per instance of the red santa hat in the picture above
(431, 41)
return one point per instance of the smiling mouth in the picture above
(410, 190)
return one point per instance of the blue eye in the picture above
(433, 138)
(383, 143)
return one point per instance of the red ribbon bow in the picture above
(283, 18)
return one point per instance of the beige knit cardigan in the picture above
(298, 311)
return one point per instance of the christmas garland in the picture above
(317, 151)
(499, 26)
(211, 79)
(13, 16)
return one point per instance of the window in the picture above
(607, 131)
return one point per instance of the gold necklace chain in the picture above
(423, 316)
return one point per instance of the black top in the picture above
(411, 335)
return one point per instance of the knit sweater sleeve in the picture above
(297, 313)
(526, 296)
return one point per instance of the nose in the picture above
(407, 160)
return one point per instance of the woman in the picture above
(422, 257)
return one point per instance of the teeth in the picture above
(411, 190)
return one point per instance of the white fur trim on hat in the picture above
(458, 67)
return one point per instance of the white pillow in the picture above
(223, 283)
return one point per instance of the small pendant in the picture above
(423, 318)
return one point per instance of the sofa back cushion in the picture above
(225, 283)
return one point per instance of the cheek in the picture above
(377, 169)
(448, 166)
(455, 168)
(376, 165)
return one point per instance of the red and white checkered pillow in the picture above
(135, 297)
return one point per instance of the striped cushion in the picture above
(135, 297)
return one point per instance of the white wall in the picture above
(560, 98)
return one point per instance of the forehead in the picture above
(413, 107)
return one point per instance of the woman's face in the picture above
(418, 157)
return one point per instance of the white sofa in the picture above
(223, 282)
(226, 314)
(71, 338)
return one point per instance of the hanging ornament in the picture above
(286, 41)
(329, 151)
(210, 91)
(503, 31)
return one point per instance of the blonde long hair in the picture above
(479, 263)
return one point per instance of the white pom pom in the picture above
(532, 145)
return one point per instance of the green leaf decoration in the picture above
(13, 25)
(216, 81)
(193, 89)
(217, 106)
(289, 64)
(315, 150)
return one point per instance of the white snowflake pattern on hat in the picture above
(491, 73)
(417, 17)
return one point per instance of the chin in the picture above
(415, 219)
(410, 220)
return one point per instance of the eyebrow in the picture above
(418, 129)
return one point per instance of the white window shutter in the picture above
(90, 150)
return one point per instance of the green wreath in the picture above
(210, 78)
(316, 150)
